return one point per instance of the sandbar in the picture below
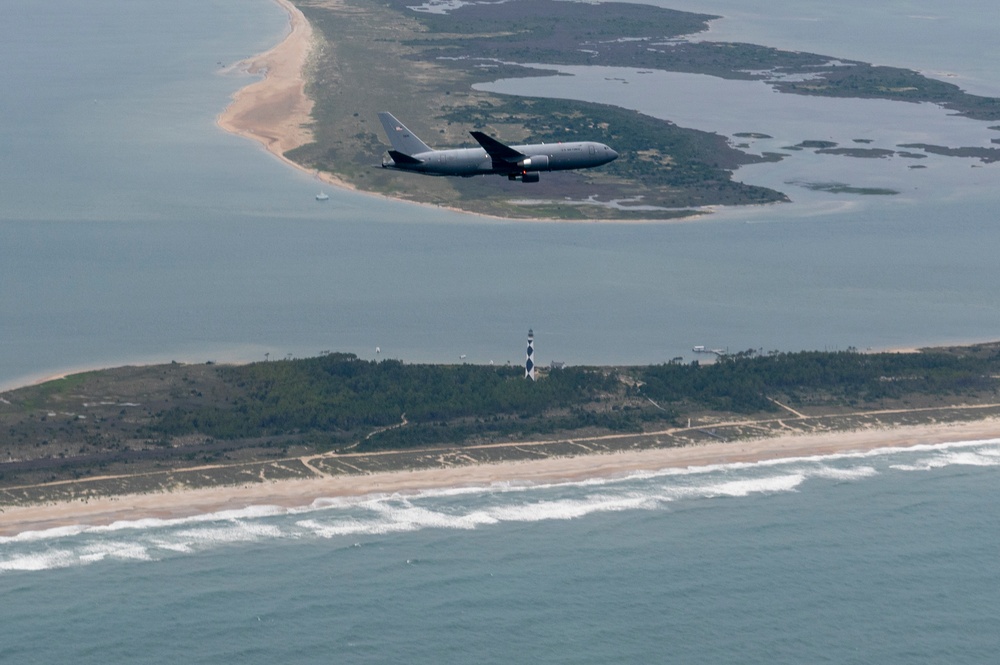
(302, 493)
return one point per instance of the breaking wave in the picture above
(466, 508)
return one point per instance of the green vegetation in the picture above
(341, 396)
(985, 155)
(661, 164)
(863, 153)
(624, 35)
(748, 382)
(819, 145)
(869, 81)
(843, 188)
(336, 397)
(140, 428)
(547, 31)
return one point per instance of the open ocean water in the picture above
(886, 557)
(131, 229)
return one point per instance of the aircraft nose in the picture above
(612, 154)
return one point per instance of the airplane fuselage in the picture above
(539, 157)
(517, 162)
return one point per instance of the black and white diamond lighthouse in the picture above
(529, 363)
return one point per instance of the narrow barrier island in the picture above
(140, 429)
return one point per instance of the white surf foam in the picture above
(470, 507)
(123, 551)
(237, 532)
(34, 561)
(737, 488)
(950, 457)
(810, 466)
(393, 516)
(835, 473)
(42, 534)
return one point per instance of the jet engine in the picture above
(536, 162)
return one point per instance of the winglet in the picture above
(498, 151)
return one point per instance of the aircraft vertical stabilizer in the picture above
(402, 139)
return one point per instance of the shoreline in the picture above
(44, 376)
(275, 110)
(291, 494)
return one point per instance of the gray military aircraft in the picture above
(517, 162)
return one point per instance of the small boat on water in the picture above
(322, 196)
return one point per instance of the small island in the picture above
(344, 61)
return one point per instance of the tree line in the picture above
(744, 382)
(337, 398)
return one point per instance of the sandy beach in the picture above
(276, 111)
(297, 493)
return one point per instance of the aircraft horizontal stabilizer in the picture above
(402, 158)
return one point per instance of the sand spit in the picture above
(275, 111)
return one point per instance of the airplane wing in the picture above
(503, 156)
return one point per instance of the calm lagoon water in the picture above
(955, 44)
(131, 229)
(732, 108)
